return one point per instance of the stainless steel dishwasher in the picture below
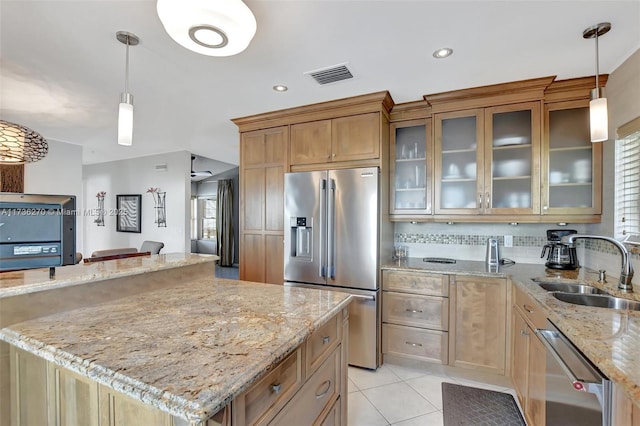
(576, 393)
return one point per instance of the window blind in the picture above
(628, 182)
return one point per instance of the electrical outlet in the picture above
(508, 240)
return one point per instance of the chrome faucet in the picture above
(626, 274)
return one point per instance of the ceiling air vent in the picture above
(330, 74)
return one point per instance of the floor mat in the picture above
(467, 406)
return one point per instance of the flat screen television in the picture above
(37, 231)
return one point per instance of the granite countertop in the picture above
(610, 338)
(14, 283)
(188, 350)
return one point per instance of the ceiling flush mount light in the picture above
(598, 120)
(125, 110)
(19, 144)
(442, 53)
(280, 88)
(213, 28)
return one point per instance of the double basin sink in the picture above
(586, 295)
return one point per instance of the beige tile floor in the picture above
(405, 396)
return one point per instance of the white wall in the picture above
(135, 176)
(59, 173)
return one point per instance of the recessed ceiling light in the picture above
(442, 53)
(280, 88)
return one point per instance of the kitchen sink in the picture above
(571, 288)
(598, 300)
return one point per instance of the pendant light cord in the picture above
(597, 62)
(126, 70)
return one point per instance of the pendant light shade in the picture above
(213, 28)
(20, 144)
(598, 114)
(125, 109)
(125, 120)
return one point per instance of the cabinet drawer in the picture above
(321, 343)
(319, 392)
(416, 343)
(531, 310)
(263, 400)
(418, 311)
(333, 417)
(413, 282)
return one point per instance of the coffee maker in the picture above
(560, 256)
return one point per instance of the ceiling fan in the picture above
(199, 174)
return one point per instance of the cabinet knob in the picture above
(523, 333)
(488, 200)
(334, 155)
(276, 388)
(528, 308)
(414, 311)
(326, 340)
(415, 345)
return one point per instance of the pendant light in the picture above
(20, 144)
(598, 120)
(213, 28)
(125, 110)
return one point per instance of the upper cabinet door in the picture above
(311, 142)
(572, 165)
(488, 160)
(459, 162)
(411, 161)
(512, 159)
(356, 137)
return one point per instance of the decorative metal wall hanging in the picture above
(100, 219)
(159, 198)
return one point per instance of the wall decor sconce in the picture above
(159, 199)
(100, 219)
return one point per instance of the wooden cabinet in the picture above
(263, 164)
(487, 160)
(301, 389)
(411, 168)
(624, 412)
(350, 138)
(415, 311)
(528, 360)
(478, 323)
(572, 165)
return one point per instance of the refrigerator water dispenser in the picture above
(302, 234)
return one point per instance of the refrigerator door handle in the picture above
(331, 217)
(323, 221)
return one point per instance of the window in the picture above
(628, 182)
(208, 217)
(194, 218)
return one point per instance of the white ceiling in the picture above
(62, 69)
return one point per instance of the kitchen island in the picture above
(183, 352)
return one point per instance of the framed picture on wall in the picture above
(129, 213)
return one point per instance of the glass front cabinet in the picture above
(411, 168)
(572, 165)
(487, 160)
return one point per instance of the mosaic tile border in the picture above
(481, 240)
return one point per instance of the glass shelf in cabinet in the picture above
(571, 148)
(422, 188)
(509, 147)
(455, 151)
(511, 177)
(408, 160)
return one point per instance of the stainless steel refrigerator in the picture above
(332, 242)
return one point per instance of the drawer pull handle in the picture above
(276, 388)
(327, 384)
(326, 339)
(413, 311)
(528, 308)
(523, 333)
(414, 344)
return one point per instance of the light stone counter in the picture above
(15, 283)
(609, 338)
(187, 349)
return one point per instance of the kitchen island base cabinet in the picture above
(307, 387)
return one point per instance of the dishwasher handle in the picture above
(547, 337)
